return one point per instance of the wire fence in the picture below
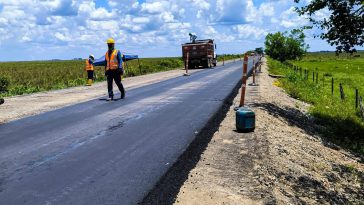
(327, 79)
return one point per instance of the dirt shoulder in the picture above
(283, 162)
(26, 105)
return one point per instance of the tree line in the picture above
(343, 28)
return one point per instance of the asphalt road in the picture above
(101, 152)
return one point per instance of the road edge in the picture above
(167, 188)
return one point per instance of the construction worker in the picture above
(114, 69)
(193, 37)
(90, 70)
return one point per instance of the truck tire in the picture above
(206, 64)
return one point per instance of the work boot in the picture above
(122, 95)
(110, 98)
(89, 82)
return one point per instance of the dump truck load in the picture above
(199, 53)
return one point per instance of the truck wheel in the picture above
(206, 64)
(214, 64)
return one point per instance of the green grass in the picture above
(227, 57)
(35, 76)
(344, 124)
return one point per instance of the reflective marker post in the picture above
(254, 72)
(245, 76)
(188, 55)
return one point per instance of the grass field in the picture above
(345, 126)
(30, 77)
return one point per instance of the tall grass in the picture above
(35, 76)
(342, 120)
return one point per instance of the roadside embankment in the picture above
(284, 161)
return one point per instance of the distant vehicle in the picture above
(199, 53)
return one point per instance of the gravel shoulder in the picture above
(284, 161)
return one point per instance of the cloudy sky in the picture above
(64, 29)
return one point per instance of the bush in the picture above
(4, 83)
(282, 46)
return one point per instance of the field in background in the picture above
(30, 77)
(344, 123)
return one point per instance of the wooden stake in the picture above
(245, 76)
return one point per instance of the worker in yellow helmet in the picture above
(114, 69)
(90, 70)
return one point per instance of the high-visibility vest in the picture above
(89, 66)
(112, 62)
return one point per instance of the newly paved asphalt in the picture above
(101, 152)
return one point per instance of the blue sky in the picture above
(65, 29)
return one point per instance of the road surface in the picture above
(101, 152)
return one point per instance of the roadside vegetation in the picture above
(343, 122)
(19, 78)
(227, 57)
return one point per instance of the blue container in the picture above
(245, 120)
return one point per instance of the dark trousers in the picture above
(90, 74)
(114, 75)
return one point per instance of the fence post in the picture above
(313, 76)
(356, 98)
(254, 72)
(332, 86)
(342, 94)
(245, 76)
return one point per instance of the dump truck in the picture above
(199, 53)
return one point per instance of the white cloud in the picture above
(250, 31)
(140, 27)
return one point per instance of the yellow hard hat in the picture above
(110, 40)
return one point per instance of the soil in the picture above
(285, 161)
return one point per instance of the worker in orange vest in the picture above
(90, 70)
(114, 69)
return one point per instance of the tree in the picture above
(344, 28)
(286, 46)
(259, 50)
